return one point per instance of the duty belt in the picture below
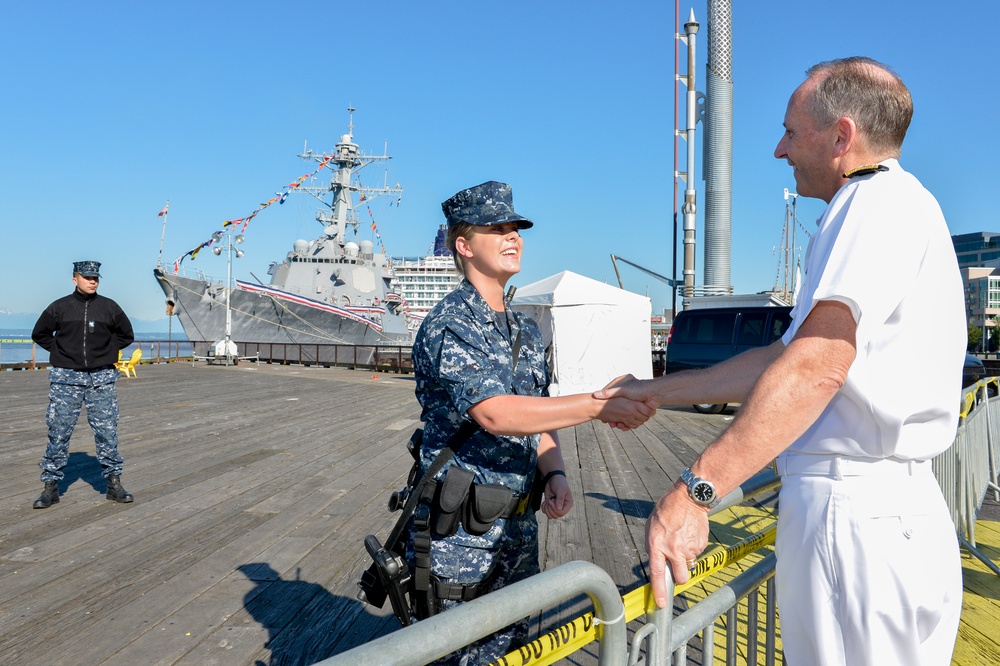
(517, 504)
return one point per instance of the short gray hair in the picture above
(869, 93)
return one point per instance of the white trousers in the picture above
(868, 570)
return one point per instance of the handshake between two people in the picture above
(628, 402)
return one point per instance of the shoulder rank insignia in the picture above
(865, 170)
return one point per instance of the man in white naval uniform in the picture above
(855, 399)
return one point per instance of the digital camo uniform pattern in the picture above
(462, 357)
(68, 391)
(515, 560)
(484, 205)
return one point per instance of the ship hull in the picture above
(272, 318)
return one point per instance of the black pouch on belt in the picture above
(452, 493)
(487, 502)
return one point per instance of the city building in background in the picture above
(423, 281)
(979, 261)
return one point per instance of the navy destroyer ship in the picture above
(330, 290)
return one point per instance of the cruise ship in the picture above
(423, 281)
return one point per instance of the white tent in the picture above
(593, 332)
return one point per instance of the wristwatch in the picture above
(700, 490)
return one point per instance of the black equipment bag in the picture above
(487, 503)
(451, 496)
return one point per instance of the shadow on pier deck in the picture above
(254, 488)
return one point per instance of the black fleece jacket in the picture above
(83, 332)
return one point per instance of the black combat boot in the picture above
(49, 496)
(116, 492)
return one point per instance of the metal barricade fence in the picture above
(444, 633)
(965, 472)
(968, 470)
(439, 635)
(678, 632)
(669, 640)
(381, 358)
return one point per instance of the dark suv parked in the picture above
(703, 337)
(972, 371)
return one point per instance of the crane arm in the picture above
(615, 260)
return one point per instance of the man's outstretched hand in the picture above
(627, 406)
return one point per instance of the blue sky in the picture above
(112, 108)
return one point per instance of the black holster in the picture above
(389, 576)
(537, 492)
(436, 509)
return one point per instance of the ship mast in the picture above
(788, 253)
(348, 158)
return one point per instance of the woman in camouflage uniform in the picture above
(477, 360)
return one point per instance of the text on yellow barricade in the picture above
(570, 637)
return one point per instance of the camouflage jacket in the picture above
(462, 357)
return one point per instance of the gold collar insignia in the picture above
(865, 170)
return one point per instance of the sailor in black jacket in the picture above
(83, 333)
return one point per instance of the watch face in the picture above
(703, 492)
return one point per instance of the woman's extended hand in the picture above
(624, 413)
(628, 407)
(558, 499)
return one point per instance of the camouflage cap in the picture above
(484, 205)
(87, 268)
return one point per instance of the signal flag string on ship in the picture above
(371, 216)
(279, 198)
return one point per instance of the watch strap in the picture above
(689, 478)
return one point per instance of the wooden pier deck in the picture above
(254, 487)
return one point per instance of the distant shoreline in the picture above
(177, 336)
(20, 352)
(10, 321)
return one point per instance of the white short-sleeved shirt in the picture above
(883, 249)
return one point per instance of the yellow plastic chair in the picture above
(120, 364)
(129, 365)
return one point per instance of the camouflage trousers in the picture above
(516, 559)
(69, 390)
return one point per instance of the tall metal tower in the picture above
(719, 149)
(692, 114)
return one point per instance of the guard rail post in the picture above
(662, 619)
(662, 641)
(770, 631)
(991, 449)
(444, 633)
(966, 469)
(752, 627)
